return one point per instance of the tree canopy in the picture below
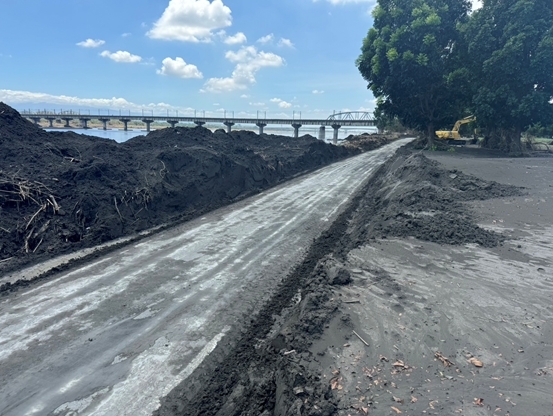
(431, 62)
(410, 60)
(510, 43)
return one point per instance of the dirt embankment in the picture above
(276, 368)
(60, 192)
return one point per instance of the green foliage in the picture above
(511, 49)
(411, 60)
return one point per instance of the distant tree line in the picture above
(432, 62)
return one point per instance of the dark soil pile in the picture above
(413, 196)
(61, 192)
(368, 141)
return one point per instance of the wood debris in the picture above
(395, 409)
(362, 340)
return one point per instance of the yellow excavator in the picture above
(454, 133)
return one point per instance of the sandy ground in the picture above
(452, 329)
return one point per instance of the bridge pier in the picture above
(125, 122)
(336, 127)
(51, 121)
(173, 123)
(67, 120)
(296, 127)
(36, 120)
(261, 127)
(322, 133)
(229, 125)
(104, 122)
(199, 123)
(148, 121)
(84, 122)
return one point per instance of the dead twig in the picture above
(117, 208)
(352, 301)
(54, 203)
(9, 258)
(34, 216)
(27, 240)
(39, 243)
(362, 340)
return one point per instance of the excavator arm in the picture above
(454, 133)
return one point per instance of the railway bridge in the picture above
(335, 121)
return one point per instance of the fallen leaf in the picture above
(479, 402)
(476, 362)
(446, 361)
(395, 409)
(398, 400)
(382, 358)
(399, 363)
(365, 410)
(414, 399)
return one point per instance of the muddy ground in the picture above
(431, 294)
(61, 192)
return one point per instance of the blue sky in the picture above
(273, 56)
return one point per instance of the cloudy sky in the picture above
(241, 56)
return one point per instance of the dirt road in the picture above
(115, 336)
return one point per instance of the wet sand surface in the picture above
(452, 329)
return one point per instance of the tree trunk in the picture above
(431, 134)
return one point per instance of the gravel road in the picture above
(115, 336)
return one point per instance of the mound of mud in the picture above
(413, 196)
(60, 192)
(368, 141)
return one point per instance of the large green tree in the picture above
(511, 63)
(412, 59)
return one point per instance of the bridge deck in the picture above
(221, 120)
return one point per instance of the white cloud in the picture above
(126, 34)
(347, 1)
(248, 62)
(476, 4)
(285, 42)
(121, 56)
(245, 96)
(191, 20)
(179, 68)
(281, 103)
(266, 39)
(236, 39)
(318, 92)
(257, 104)
(91, 43)
(26, 97)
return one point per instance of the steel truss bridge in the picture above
(336, 121)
